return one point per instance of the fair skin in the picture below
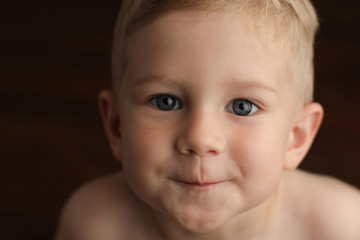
(209, 133)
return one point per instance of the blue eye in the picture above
(166, 102)
(242, 107)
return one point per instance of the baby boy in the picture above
(210, 115)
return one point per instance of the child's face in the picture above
(206, 113)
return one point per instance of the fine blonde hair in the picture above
(294, 22)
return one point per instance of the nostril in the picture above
(212, 151)
(198, 152)
(199, 146)
(199, 137)
(190, 151)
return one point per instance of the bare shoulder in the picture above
(332, 206)
(103, 208)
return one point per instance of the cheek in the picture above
(259, 151)
(141, 158)
(145, 148)
(259, 159)
(140, 145)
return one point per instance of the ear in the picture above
(111, 120)
(303, 134)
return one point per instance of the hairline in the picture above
(257, 18)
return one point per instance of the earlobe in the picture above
(303, 134)
(111, 120)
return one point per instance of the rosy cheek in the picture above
(255, 151)
(144, 143)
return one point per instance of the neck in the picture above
(250, 225)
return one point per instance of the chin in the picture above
(201, 222)
(202, 227)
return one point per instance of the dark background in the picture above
(55, 58)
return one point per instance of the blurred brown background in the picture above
(54, 61)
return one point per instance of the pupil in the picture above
(242, 107)
(167, 101)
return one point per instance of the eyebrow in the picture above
(153, 79)
(251, 84)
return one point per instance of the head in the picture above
(211, 103)
(292, 22)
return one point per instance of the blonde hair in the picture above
(293, 22)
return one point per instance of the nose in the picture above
(200, 134)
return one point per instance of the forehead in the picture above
(195, 44)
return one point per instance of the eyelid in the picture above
(256, 103)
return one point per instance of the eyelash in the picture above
(168, 102)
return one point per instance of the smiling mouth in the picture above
(200, 186)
